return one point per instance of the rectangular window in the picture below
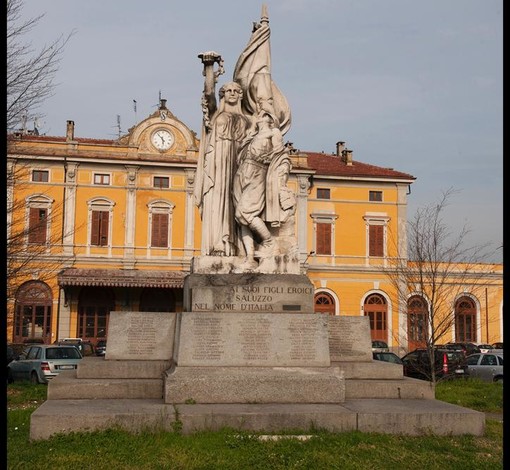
(161, 182)
(323, 242)
(40, 176)
(323, 193)
(99, 229)
(159, 236)
(376, 240)
(37, 225)
(101, 178)
(375, 196)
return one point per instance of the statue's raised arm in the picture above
(211, 77)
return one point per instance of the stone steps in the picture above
(390, 416)
(97, 378)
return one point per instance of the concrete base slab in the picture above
(66, 416)
(370, 369)
(66, 385)
(405, 387)
(390, 416)
(268, 417)
(100, 368)
(255, 385)
(416, 417)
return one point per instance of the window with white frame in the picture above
(376, 225)
(324, 228)
(160, 222)
(161, 182)
(100, 227)
(102, 179)
(323, 193)
(375, 196)
(38, 212)
(40, 176)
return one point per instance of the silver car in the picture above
(486, 366)
(40, 363)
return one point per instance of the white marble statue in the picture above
(243, 166)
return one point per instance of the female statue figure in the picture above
(224, 129)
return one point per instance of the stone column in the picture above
(129, 251)
(189, 222)
(301, 211)
(69, 208)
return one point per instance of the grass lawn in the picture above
(228, 449)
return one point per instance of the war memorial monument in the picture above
(247, 352)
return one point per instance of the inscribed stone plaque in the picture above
(249, 293)
(259, 339)
(349, 338)
(141, 335)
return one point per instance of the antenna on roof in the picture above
(159, 100)
(118, 125)
(24, 123)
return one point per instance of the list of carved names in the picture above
(141, 335)
(261, 339)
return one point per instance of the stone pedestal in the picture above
(252, 338)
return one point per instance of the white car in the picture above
(40, 363)
(485, 366)
(485, 348)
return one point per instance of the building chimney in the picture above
(340, 148)
(70, 131)
(348, 157)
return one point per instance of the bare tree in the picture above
(30, 73)
(32, 248)
(439, 267)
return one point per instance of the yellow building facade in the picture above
(96, 226)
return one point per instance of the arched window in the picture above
(157, 300)
(465, 320)
(376, 308)
(32, 318)
(417, 322)
(324, 303)
(94, 307)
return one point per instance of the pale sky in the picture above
(412, 85)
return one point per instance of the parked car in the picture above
(11, 355)
(448, 364)
(101, 347)
(485, 348)
(33, 341)
(40, 363)
(379, 346)
(467, 348)
(387, 357)
(86, 347)
(486, 366)
(497, 348)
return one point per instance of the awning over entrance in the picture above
(120, 278)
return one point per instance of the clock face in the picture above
(162, 139)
